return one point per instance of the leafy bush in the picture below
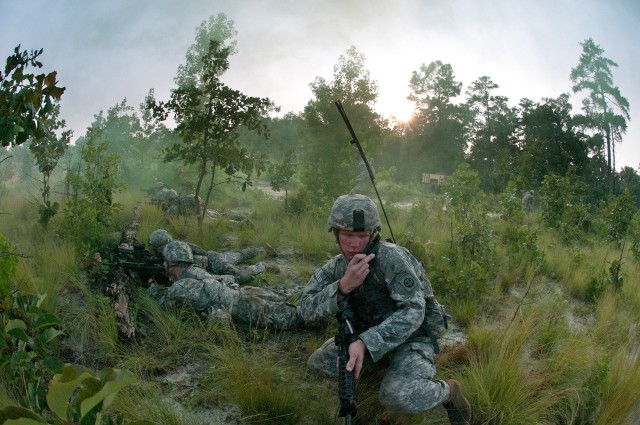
(564, 207)
(24, 359)
(78, 395)
(521, 245)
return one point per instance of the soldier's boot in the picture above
(458, 408)
(270, 251)
(244, 277)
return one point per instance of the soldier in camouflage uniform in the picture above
(221, 264)
(197, 288)
(186, 205)
(386, 288)
(165, 197)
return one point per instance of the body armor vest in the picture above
(370, 303)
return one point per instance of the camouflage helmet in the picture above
(159, 238)
(178, 251)
(354, 212)
(167, 194)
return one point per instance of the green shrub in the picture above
(8, 263)
(25, 361)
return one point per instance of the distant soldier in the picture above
(165, 198)
(528, 200)
(186, 205)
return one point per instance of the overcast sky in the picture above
(105, 51)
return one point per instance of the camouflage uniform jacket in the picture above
(389, 307)
(194, 271)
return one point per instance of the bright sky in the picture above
(105, 51)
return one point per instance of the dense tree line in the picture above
(221, 129)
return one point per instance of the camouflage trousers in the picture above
(408, 384)
(226, 262)
(251, 305)
(263, 307)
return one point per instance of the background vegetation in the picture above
(546, 301)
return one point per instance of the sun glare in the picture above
(402, 110)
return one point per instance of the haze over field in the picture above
(107, 51)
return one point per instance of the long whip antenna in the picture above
(355, 141)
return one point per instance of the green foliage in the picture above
(47, 151)
(256, 383)
(463, 192)
(563, 206)
(521, 245)
(26, 99)
(88, 215)
(601, 282)
(510, 204)
(592, 391)
(281, 175)
(491, 132)
(496, 382)
(458, 282)
(24, 359)
(439, 136)
(471, 236)
(78, 395)
(8, 262)
(209, 113)
(551, 120)
(605, 109)
(327, 167)
(619, 214)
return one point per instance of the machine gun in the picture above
(136, 258)
(346, 379)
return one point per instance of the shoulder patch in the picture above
(319, 275)
(407, 282)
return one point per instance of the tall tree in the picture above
(491, 131)
(550, 143)
(121, 127)
(328, 169)
(605, 109)
(438, 123)
(208, 114)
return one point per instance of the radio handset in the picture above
(372, 248)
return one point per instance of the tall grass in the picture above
(498, 383)
(619, 393)
(149, 402)
(558, 361)
(172, 337)
(262, 386)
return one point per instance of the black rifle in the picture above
(346, 379)
(355, 141)
(144, 263)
